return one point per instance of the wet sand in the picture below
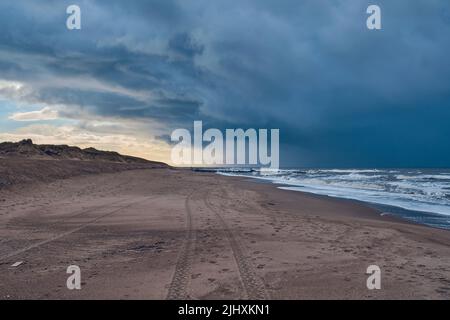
(175, 234)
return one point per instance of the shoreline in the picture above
(396, 212)
(178, 234)
(376, 213)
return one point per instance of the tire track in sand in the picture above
(254, 285)
(180, 280)
(64, 234)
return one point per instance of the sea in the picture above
(418, 195)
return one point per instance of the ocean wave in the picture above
(344, 170)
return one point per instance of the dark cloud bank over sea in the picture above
(342, 95)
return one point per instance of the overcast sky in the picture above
(341, 95)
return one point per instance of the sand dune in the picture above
(24, 162)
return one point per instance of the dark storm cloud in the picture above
(342, 95)
(185, 45)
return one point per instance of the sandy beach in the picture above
(175, 234)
